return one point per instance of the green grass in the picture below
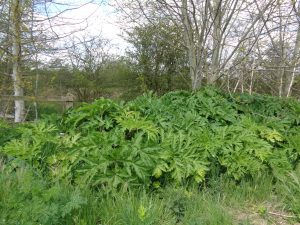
(26, 199)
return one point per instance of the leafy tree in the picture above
(159, 56)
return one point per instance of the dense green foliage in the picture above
(179, 139)
(159, 57)
(29, 200)
(7, 133)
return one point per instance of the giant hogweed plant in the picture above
(177, 138)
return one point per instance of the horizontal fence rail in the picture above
(38, 98)
(67, 101)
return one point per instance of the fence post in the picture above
(69, 101)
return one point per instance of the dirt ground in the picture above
(266, 214)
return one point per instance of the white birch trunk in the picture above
(16, 59)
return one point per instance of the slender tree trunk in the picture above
(282, 52)
(281, 76)
(236, 85)
(195, 73)
(251, 79)
(36, 88)
(16, 59)
(291, 76)
(215, 64)
(242, 83)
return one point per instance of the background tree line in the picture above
(240, 46)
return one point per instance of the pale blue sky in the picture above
(93, 18)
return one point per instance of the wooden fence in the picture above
(67, 101)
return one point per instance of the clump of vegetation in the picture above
(181, 139)
(27, 199)
(8, 132)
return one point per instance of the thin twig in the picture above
(282, 215)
